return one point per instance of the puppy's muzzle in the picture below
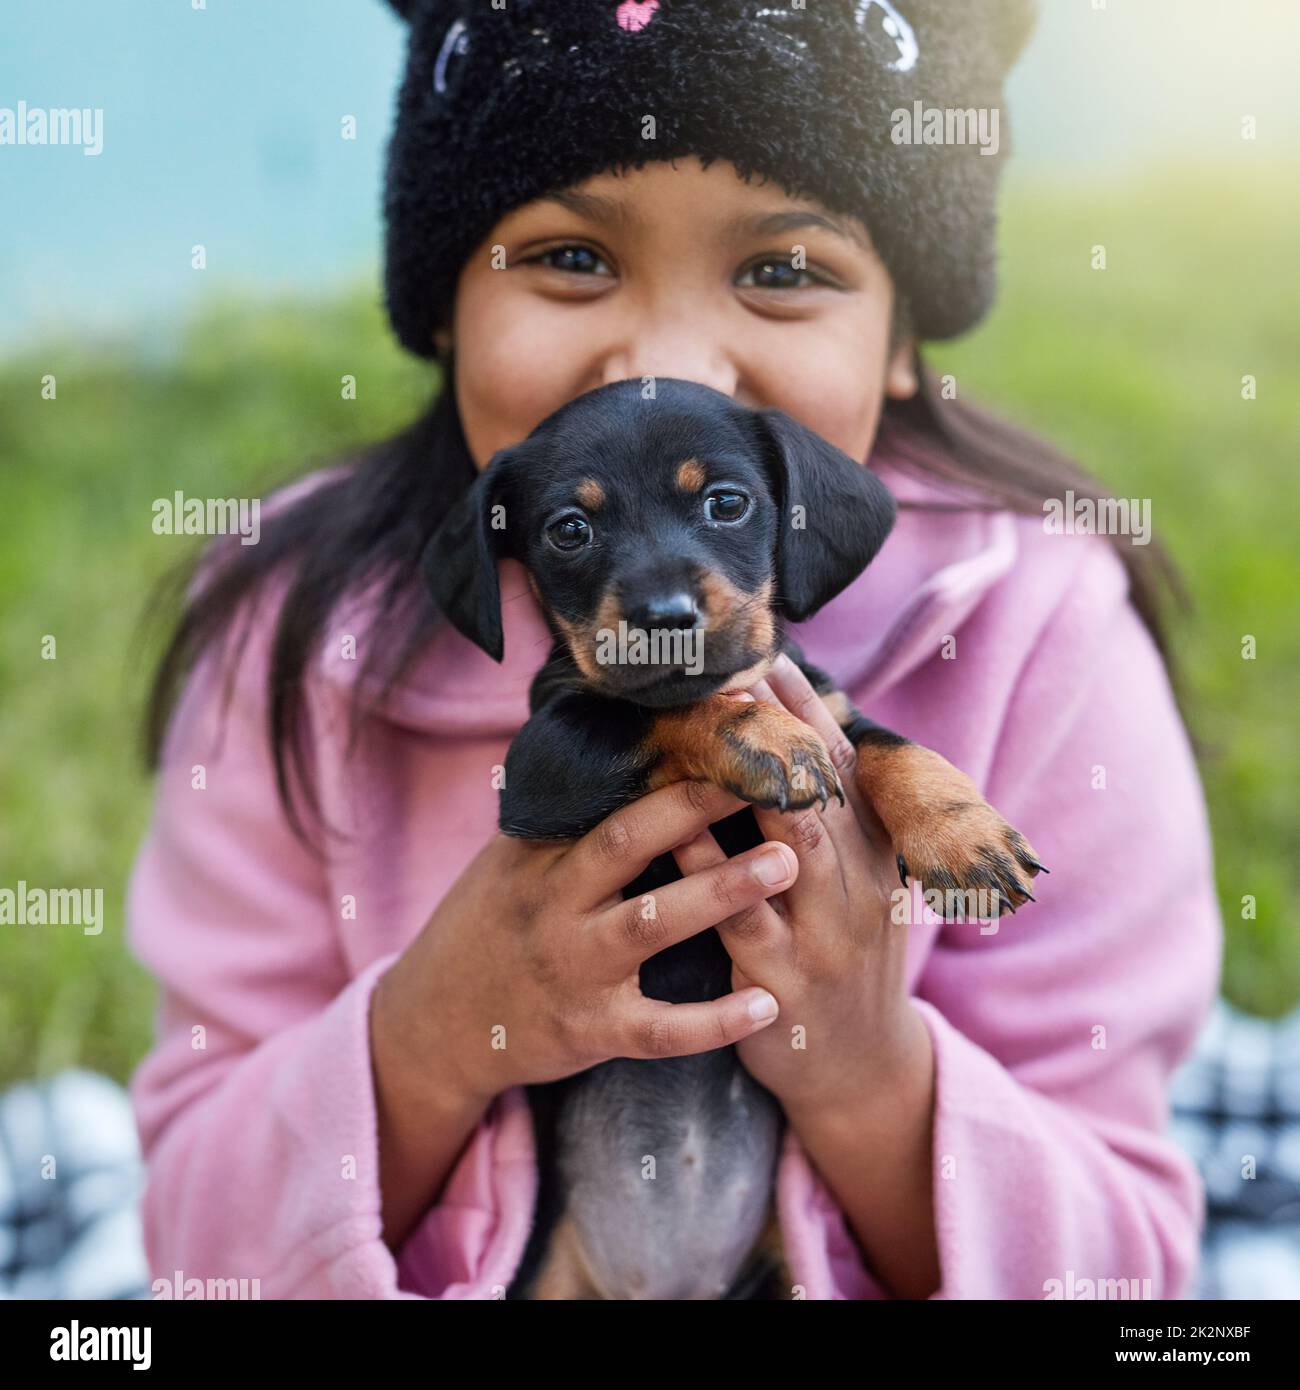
(672, 642)
(668, 610)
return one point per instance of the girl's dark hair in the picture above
(368, 522)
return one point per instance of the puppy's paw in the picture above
(943, 831)
(772, 759)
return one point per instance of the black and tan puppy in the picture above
(667, 541)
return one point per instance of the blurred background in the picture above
(1166, 130)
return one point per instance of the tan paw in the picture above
(943, 831)
(772, 759)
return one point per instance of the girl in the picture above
(580, 192)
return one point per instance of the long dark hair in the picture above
(368, 522)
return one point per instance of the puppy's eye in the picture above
(569, 532)
(725, 505)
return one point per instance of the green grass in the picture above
(1136, 370)
(252, 397)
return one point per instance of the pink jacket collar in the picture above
(925, 582)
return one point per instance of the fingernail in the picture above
(762, 1007)
(771, 868)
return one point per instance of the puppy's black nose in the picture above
(676, 610)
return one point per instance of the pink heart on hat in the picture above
(634, 15)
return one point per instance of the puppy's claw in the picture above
(1025, 856)
(827, 784)
(902, 869)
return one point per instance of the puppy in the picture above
(668, 541)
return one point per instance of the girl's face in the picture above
(676, 271)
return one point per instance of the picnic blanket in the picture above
(1237, 1112)
(71, 1175)
(70, 1184)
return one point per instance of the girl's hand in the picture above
(826, 947)
(527, 971)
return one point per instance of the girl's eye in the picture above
(777, 273)
(580, 260)
(726, 506)
(569, 532)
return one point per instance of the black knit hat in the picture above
(502, 105)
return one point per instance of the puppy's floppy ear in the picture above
(403, 7)
(834, 514)
(459, 563)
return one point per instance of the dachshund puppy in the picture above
(668, 540)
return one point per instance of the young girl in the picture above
(579, 192)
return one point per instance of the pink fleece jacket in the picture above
(1013, 652)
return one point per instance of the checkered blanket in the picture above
(1236, 1110)
(70, 1173)
(70, 1180)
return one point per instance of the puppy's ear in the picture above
(834, 514)
(459, 563)
(403, 7)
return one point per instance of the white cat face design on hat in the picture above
(635, 15)
(454, 47)
(882, 14)
(867, 15)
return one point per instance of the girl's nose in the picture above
(720, 379)
(682, 350)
